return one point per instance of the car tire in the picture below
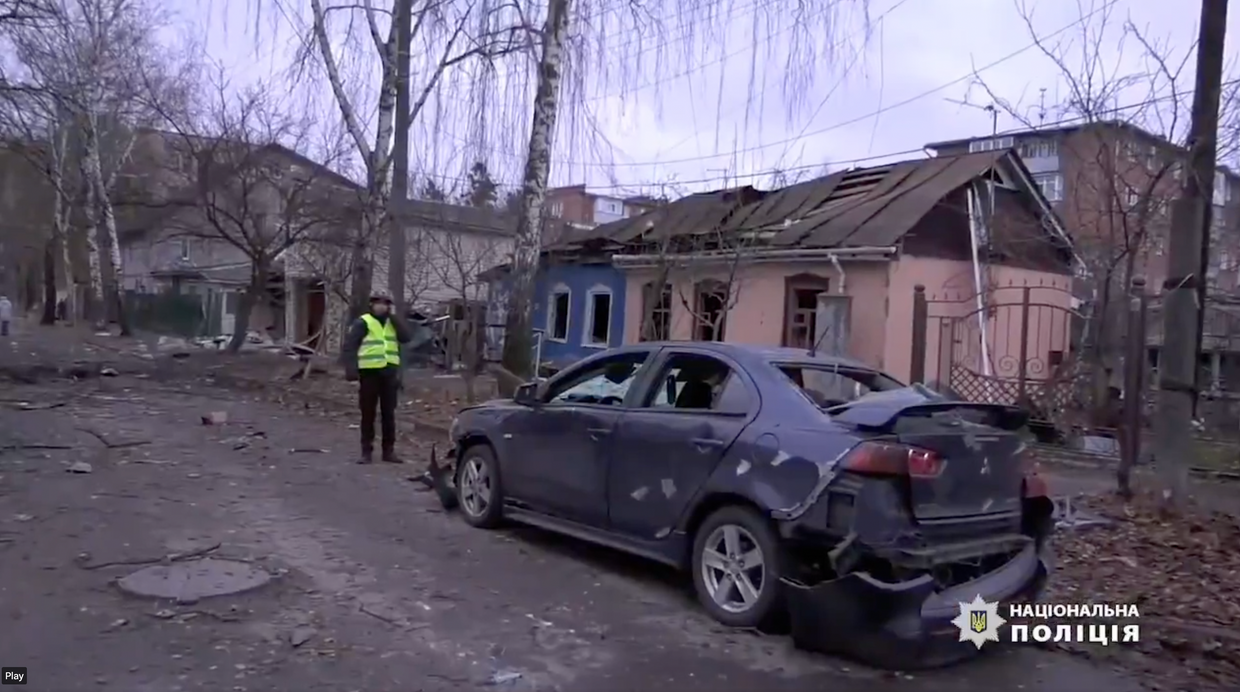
(752, 532)
(479, 489)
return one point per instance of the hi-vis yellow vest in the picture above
(380, 348)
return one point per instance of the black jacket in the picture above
(357, 333)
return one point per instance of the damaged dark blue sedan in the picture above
(790, 485)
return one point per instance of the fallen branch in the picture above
(13, 448)
(174, 557)
(114, 445)
(27, 406)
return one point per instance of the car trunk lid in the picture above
(980, 470)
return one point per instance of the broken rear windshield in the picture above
(828, 386)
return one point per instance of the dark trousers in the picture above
(378, 388)
(4, 327)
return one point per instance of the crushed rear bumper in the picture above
(905, 625)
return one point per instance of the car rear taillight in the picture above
(889, 459)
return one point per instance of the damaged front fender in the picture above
(442, 478)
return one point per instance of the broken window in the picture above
(699, 382)
(801, 309)
(557, 314)
(710, 311)
(829, 386)
(598, 317)
(657, 312)
(605, 382)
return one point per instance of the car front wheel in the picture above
(478, 487)
(736, 567)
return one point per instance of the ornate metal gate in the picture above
(1018, 348)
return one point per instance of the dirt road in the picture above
(376, 588)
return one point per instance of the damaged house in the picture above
(833, 264)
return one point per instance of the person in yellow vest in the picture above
(371, 356)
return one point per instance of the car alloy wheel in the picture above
(475, 487)
(733, 568)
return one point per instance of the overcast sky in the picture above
(695, 121)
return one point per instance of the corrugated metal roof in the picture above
(702, 212)
(868, 207)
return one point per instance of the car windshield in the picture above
(829, 385)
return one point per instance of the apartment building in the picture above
(1112, 184)
(578, 206)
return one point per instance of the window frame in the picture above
(659, 367)
(846, 371)
(701, 291)
(652, 305)
(1056, 178)
(552, 298)
(183, 251)
(545, 397)
(587, 327)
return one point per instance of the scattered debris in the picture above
(115, 625)
(173, 557)
(301, 635)
(503, 677)
(110, 444)
(32, 446)
(23, 517)
(109, 372)
(1178, 569)
(307, 450)
(79, 467)
(27, 406)
(215, 418)
(1070, 517)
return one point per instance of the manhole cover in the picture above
(195, 580)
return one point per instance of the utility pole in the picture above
(1185, 281)
(397, 244)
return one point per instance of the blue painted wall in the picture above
(579, 279)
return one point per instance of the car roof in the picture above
(769, 354)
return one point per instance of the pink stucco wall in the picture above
(756, 315)
(882, 310)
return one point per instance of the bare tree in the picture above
(341, 41)
(81, 58)
(260, 182)
(1130, 134)
(39, 133)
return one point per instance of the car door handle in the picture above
(705, 444)
(597, 434)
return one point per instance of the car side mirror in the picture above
(526, 394)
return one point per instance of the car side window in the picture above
(698, 382)
(604, 382)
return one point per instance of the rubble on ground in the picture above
(1180, 572)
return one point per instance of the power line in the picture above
(851, 121)
(731, 176)
(886, 109)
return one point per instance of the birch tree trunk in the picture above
(60, 232)
(106, 228)
(94, 296)
(518, 339)
(378, 157)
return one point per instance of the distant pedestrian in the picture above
(371, 357)
(6, 315)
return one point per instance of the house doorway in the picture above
(316, 311)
